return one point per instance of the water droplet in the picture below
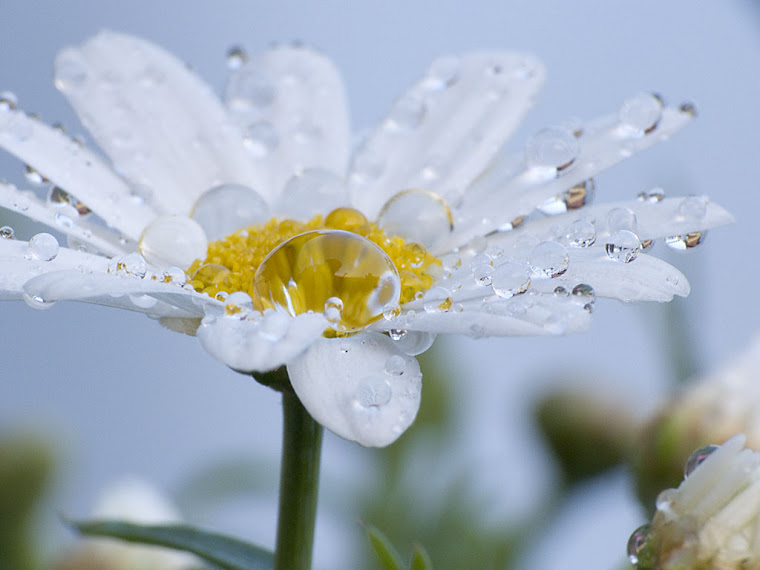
(417, 215)
(640, 114)
(685, 241)
(43, 247)
(407, 113)
(367, 167)
(414, 342)
(623, 246)
(397, 334)
(391, 311)
(224, 209)
(654, 196)
(311, 192)
(688, 108)
(173, 240)
(637, 542)
(560, 291)
(698, 458)
(333, 308)
(130, 265)
(249, 88)
(32, 176)
(442, 74)
(395, 365)
(451, 262)
(6, 232)
(300, 274)
(37, 302)
(373, 392)
(174, 275)
(22, 201)
(552, 147)
(437, 300)
(693, 208)
(236, 57)
(548, 259)
(622, 219)
(260, 139)
(664, 502)
(143, 301)
(60, 198)
(581, 233)
(8, 101)
(510, 279)
(483, 274)
(577, 197)
(213, 278)
(70, 71)
(584, 294)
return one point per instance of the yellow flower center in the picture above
(341, 264)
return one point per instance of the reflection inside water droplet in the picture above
(698, 457)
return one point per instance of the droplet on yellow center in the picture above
(304, 272)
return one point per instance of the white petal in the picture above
(442, 133)
(512, 188)
(362, 388)
(292, 108)
(70, 166)
(262, 343)
(27, 204)
(162, 126)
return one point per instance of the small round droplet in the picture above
(654, 196)
(224, 209)
(407, 113)
(581, 233)
(548, 259)
(236, 57)
(442, 74)
(391, 311)
(640, 114)
(173, 240)
(260, 139)
(693, 208)
(249, 88)
(637, 542)
(552, 147)
(70, 71)
(437, 300)
(584, 294)
(174, 275)
(510, 278)
(213, 277)
(8, 101)
(43, 247)
(32, 176)
(130, 265)
(59, 198)
(37, 302)
(622, 219)
(395, 365)
(333, 308)
(311, 192)
(397, 334)
(561, 292)
(417, 215)
(6, 232)
(373, 392)
(623, 246)
(698, 458)
(483, 274)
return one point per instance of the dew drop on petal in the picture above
(622, 219)
(238, 302)
(437, 300)
(637, 542)
(407, 113)
(397, 334)
(6, 232)
(483, 274)
(236, 57)
(623, 246)
(391, 311)
(373, 392)
(442, 74)
(698, 457)
(260, 139)
(37, 302)
(227, 208)
(143, 301)
(42, 247)
(510, 278)
(333, 308)
(250, 88)
(302, 273)
(313, 191)
(654, 196)
(583, 294)
(70, 71)
(693, 208)
(417, 215)
(548, 259)
(173, 240)
(581, 233)
(33, 176)
(8, 101)
(395, 365)
(561, 292)
(414, 342)
(552, 147)
(214, 277)
(130, 265)
(640, 114)
(174, 275)
(685, 241)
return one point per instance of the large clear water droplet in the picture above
(130, 265)
(173, 240)
(510, 278)
(623, 246)
(637, 542)
(42, 247)
(584, 294)
(302, 273)
(552, 147)
(640, 114)
(414, 342)
(229, 207)
(395, 365)
(312, 192)
(421, 216)
(548, 259)
(581, 233)
(698, 458)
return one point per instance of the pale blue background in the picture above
(122, 395)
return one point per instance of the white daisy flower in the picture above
(250, 222)
(712, 520)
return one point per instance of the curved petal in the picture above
(291, 105)
(259, 343)
(362, 388)
(161, 125)
(442, 133)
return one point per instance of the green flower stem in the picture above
(299, 485)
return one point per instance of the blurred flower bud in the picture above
(711, 521)
(711, 409)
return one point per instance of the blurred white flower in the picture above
(340, 265)
(712, 520)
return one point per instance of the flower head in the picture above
(251, 224)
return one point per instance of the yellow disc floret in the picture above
(328, 260)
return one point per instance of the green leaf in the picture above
(388, 555)
(223, 551)
(420, 559)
